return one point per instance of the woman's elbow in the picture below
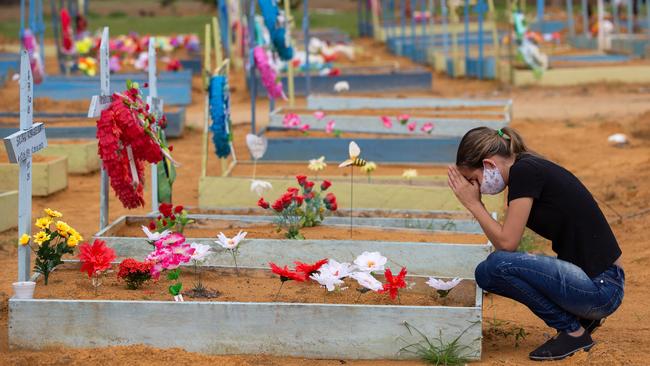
(507, 245)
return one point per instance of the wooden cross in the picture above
(156, 108)
(20, 148)
(97, 104)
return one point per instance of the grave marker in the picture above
(156, 107)
(20, 148)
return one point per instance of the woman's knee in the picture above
(489, 268)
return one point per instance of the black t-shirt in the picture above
(564, 212)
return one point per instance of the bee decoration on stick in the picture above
(354, 160)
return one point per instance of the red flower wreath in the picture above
(127, 122)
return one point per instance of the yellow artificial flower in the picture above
(41, 237)
(63, 228)
(24, 239)
(43, 222)
(72, 241)
(74, 233)
(53, 213)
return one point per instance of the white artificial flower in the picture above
(370, 262)
(617, 139)
(336, 269)
(443, 287)
(201, 251)
(260, 186)
(369, 167)
(409, 174)
(327, 279)
(341, 86)
(317, 164)
(230, 243)
(154, 236)
(366, 280)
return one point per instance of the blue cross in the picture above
(480, 7)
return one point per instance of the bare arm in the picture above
(503, 237)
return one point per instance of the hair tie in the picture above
(500, 133)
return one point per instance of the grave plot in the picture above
(8, 203)
(49, 174)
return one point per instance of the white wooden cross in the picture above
(97, 104)
(156, 108)
(20, 147)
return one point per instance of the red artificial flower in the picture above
(286, 199)
(164, 222)
(334, 72)
(173, 217)
(96, 257)
(293, 190)
(146, 85)
(263, 204)
(298, 200)
(308, 196)
(286, 274)
(333, 206)
(326, 184)
(330, 197)
(309, 269)
(309, 186)
(152, 225)
(178, 209)
(171, 148)
(301, 179)
(278, 205)
(393, 283)
(165, 209)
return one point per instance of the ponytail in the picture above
(482, 142)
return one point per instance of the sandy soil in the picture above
(249, 286)
(568, 125)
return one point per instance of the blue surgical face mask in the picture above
(492, 182)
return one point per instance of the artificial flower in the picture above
(330, 202)
(366, 280)
(369, 167)
(134, 273)
(341, 86)
(386, 121)
(443, 287)
(427, 127)
(305, 127)
(412, 126)
(327, 280)
(72, 241)
(336, 269)
(269, 80)
(75, 234)
(319, 115)
(95, 258)
(169, 256)
(329, 127)
(370, 262)
(53, 213)
(178, 209)
(317, 165)
(291, 120)
(409, 174)
(263, 204)
(393, 283)
(286, 274)
(165, 209)
(309, 269)
(403, 118)
(301, 179)
(260, 186)
(325, 185)
(230, 243)
(170, 239)
(24, 239)
(154, 236)
(201, 251)
(41, 237)
(43, 222)
(63, 228)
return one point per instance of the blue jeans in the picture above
(556, 291)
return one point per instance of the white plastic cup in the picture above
(24, 289)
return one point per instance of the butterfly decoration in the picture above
(354, 159)
(256, 145)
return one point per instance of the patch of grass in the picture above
(117, 14)
(435, 351)
(505, 329)
(345, 21)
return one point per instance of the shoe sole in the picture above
(556, 358)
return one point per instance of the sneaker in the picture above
(561, 346)
(591, 325)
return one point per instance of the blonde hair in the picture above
(482, 142)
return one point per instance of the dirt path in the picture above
(569, 126)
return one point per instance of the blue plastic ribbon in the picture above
(220, 114)
(269, 9)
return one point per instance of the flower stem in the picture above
(234, 257)
(278, 293)
(351, 196)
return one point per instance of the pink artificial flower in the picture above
(403, 118)
(171, 251)
(269, 80)
(386, 121)
(171, 239)
(329, 127)
(412, 126)
(304, 128)
(291, 120)
(319, 115)
(427, 127)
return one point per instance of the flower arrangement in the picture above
(293, 121)
(170, 252)
(295, 211)
(96, 260)
(232, 245)
(269, 78)
(171, 218)
(55, 239)
(128, 138)
(134, 273)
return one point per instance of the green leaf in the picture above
(173, 275)
(175, 289)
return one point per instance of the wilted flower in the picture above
(443, 287)
(370, 261)
(260, 186)
(366, 280)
